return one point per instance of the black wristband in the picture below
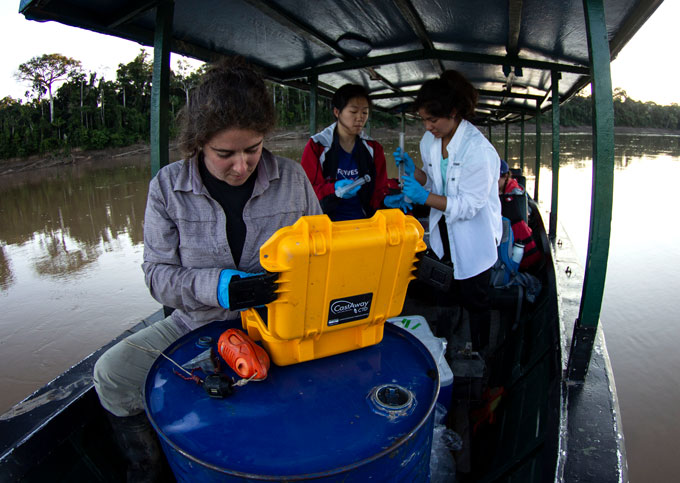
(252, 291)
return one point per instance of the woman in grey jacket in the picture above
(205, 220)
(459, 182)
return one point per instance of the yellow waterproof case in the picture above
(338, 283)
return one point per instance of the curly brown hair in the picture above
(231, 94)
(450, 92)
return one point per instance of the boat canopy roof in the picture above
(508, 49)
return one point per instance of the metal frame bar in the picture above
(411, 16)
(276, 13)
(586, 324)
(507, 135)
(500, 109)
(279, 15)
(313, 98)
(481, 92)
(537, 168)
(504, 94)
(552, 230)
(130, 13)
(160, 87)
(630, 27)
(393, 95)
(426, 54)
(514, 27)
(521, 146)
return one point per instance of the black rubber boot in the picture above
(139, 445)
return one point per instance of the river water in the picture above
(71, 249)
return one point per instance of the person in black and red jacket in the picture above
(342, 153)
(508, 190)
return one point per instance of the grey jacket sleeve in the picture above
(170, 283)
(313, 206)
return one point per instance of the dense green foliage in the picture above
(89, 112)
(68, 108)
(627, 112)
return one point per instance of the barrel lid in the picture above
(322, 416)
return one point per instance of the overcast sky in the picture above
(646, 68)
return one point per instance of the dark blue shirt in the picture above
(348, 209)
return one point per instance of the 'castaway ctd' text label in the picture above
(348, 309)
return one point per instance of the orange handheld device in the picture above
(244, 356)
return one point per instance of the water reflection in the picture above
(640, 305)
(6, 275)
(72, 218)
(70, 254)
(577, 150)
(71, 248)
(58, 259)
(86, 208)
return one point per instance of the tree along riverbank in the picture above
(281, 140)
(67, 108)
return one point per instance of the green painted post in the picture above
(490, 137)
(552, 231)
(160, 90)
(506, 143)
(537, 168)
(313, 94)
(521, 146)
(585, 327)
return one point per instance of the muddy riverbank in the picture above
(278, 140)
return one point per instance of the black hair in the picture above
(347, 92)
(450, 92)
(231, 94)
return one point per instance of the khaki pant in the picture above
(120, 373)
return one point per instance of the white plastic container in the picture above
(357, 182)
(419, 327)
(517, 252)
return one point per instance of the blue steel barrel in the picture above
(365, 415)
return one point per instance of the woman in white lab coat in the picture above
(459, 182)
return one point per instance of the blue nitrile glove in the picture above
(414, 190)
(223, 284)
(351, 193)
(397, 201)
(403, 157)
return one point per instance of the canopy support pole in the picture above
(490, 137)
(585, 327)
(506, 144)
(160, 87)
(521, 146)
(537, 168)
(313, 97)
(552, 231)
